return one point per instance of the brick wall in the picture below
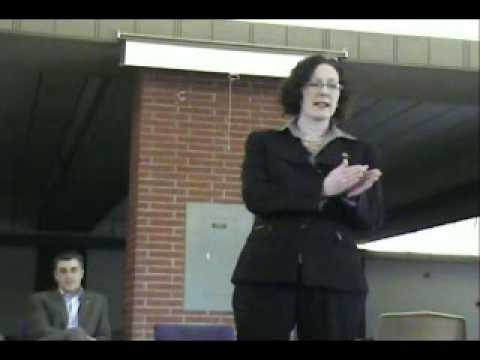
(180, 154)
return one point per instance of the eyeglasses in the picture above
(329, 85)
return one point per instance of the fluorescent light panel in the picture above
(458, 238)
(182, 57)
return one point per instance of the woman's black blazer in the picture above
(294, 223)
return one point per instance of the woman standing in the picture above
(312, 188)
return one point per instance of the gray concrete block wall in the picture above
(412, 50)
(349, 40)
(196, 29)
(306, 37)
(76, 28)
(268, 34)
(157, 27)
(6, 25)
(43, 26)
(231, 31)
(376, 48)
(473, 63)
(415, 51)
(446, 52)
(108, 28)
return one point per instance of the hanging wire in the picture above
(231, 79)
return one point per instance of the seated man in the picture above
(70, 312)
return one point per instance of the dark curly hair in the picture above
(291, 90)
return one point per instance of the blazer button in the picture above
(339, 236)
(303, 226)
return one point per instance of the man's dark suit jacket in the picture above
(284, 189)
(48, 315)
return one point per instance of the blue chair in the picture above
(23, 332)
(193, 332)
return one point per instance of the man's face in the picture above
(69, 275)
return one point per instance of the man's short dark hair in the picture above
(68, 255)
(291, 91)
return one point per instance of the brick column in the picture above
(179, 154)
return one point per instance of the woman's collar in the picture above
(334, 130)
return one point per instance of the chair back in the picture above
(192, 332)
(420, 325)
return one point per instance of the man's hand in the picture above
(365, 183)
(343, 178)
